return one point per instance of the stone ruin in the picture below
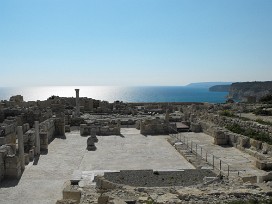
(92, 140)
(156, 126)
(110, 127)
(206, 118)
(91, 144)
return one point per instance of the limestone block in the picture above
(244, 141)
(250, 152)
(255, 143)
(2, 169)
(3, 151)
(25, 127)
(93, 131)
(249, 178)
(104, 184)
(13, 172)
(260, 164)
(11, 149)
(84, 130)
(103, 199)
(12, 161)
(220, 138)
(266, 177)
(240, 148)
(232, 138)
(44, 136)
(67, 128)
(66, 201)
(11, 138)
(90, 144)
(69, 192)
(26, 159)
(31, 154)
(195, 127)
(2, 141)
(94, 138)
(266, 147)
(260, 156)
(12, 167)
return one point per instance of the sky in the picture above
(134, 42)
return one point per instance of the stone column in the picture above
(77, 102)
(37, 138)
(167, 116)
(21, 146)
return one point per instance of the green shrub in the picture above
(226, 113)
(262, 111)
(263, 137)
(259, 120)
(266, 99)
(77, 121)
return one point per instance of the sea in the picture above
(114, 93)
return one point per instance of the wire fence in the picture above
(215, 162)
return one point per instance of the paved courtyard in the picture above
(43, 183)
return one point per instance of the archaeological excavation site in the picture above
(69, 150)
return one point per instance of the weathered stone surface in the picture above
(71, 193)
(90, 144)
(195, 127)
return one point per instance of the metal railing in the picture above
(216, 162)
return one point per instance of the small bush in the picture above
(259, 120)
(262, 111)
(263, 137)
(226, 113)
(266, 99)
(77, 121)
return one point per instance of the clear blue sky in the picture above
(134, 42)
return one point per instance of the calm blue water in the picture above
(126, 94)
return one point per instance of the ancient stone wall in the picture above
(60, 126)
(109, 129)
(47, 132)
(156, 126)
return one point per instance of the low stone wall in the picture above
(99, 130)
(260, 150)
(7, 134)
(156, 126)
(10, 165)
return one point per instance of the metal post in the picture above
(213, 161)
(206, 156)
(196, 150)
(228, 170)
(201, 151)
(191, 146)
(220, 165)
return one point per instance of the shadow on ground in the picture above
(8, 183)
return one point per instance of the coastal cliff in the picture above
(245, 91)
(220, 88)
